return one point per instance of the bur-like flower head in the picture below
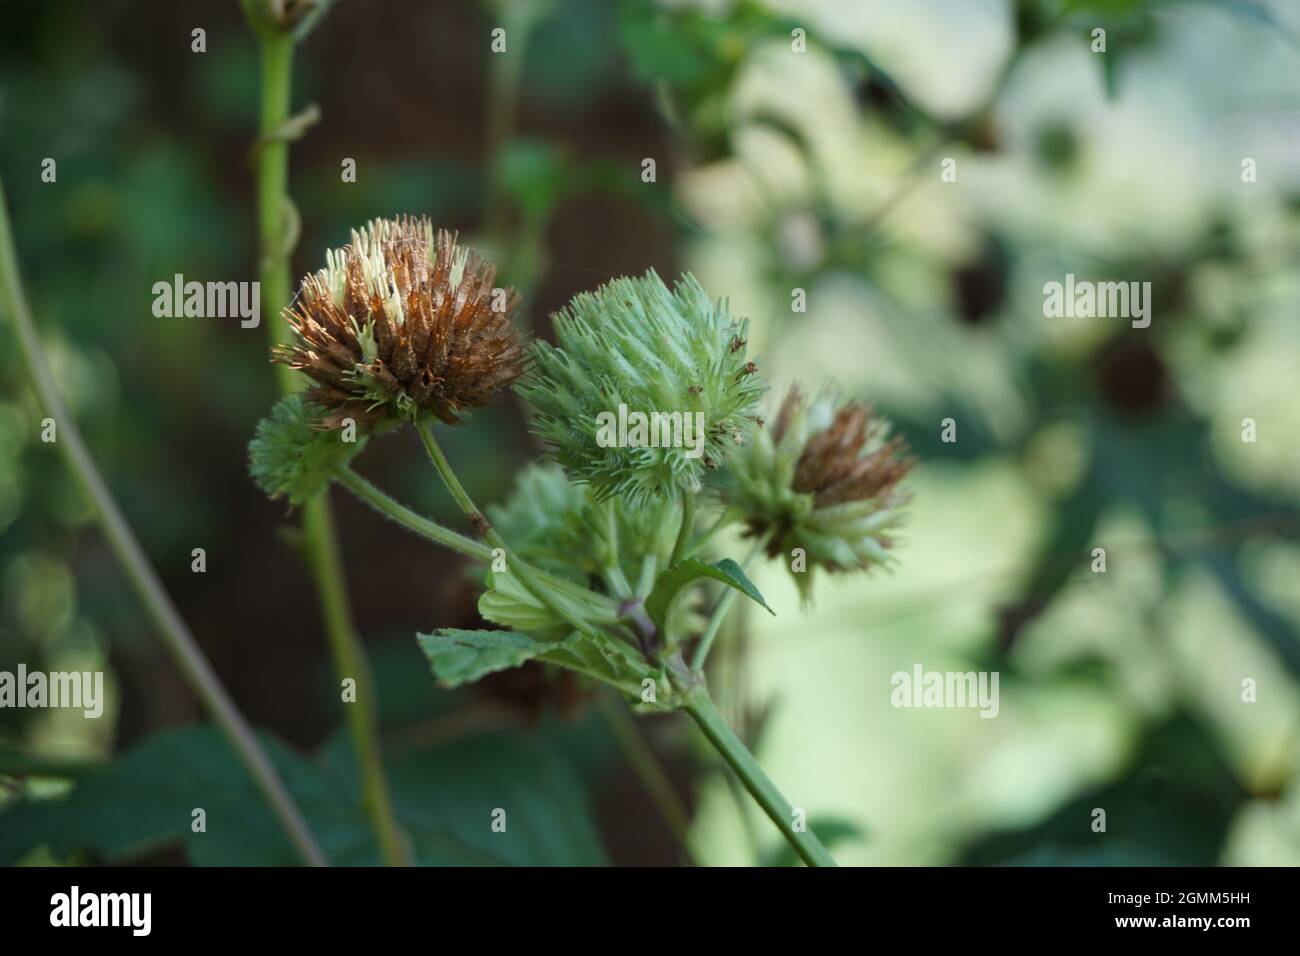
(646, 390)
(403, 323)
(824, 477)
(290, 456)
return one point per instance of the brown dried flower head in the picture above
(824, 478)
(834, 468)
(403, 323)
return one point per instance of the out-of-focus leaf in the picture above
(1062, 550)
(145, 799)
(658, 49)
(444, 798)
(536, 175)
(1172, 806)
(1276, 630)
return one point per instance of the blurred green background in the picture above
(776, 169)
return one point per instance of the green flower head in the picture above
(647, 389)
(821, 484)
(291, 456)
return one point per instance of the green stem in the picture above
(720, 613)
(171, 627)
(686, 530)
(649, 771)
(759, 785)
(408, 518)
(527, 575)
(598, 608)
(350, 660)
(272, 170)
(504, 70)
(274, 212)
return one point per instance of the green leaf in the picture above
(670, 584)
(509, 603)
(144, 799)
(605, 661)
(444, 798)
(535, 174)
(462, 657)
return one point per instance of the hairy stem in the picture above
(759, 785)
(176, 636)
(404, 516)
(274, 214)
(600, 609)
(527, 575)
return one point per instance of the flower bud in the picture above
(823, 478)
(646, 390)
(290, 456)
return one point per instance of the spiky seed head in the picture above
(636, 344)
(290, 456)
(825, 477)
(403, 323)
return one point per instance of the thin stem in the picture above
(408, 518)
(759, 785)
(687, 528)
(274, 215)
(272, 171)
(641, 758)
(351, 661)
(599, 608)
(527, 575)
(504, 70)
(720, 613)
(176, 636)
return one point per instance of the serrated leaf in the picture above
(670, 584)
(610, 663)
(462, 657)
